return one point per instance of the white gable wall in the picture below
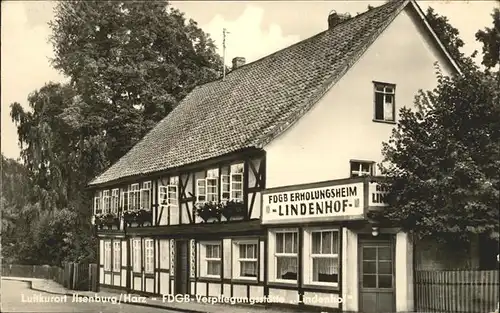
(339, 127)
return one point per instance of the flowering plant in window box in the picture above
(107, 219)
(208, 210)
(139, 216)
(233, 208)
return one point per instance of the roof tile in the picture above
(254, 103)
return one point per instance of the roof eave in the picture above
(438, 42)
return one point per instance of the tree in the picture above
(447, 34)
(443, 163)
(490, 38)
(131, 62)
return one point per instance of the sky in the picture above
(256, 29)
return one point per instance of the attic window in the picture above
(362, 168)
(385, 104)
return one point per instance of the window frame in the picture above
(134, 199)
(310, 256)
(383, 85)
(97, 203)
(106, 202)
(115, 200)
(107, 256)
(117, 256)
(236, 170)
(237, 260)
(201, 197)
(136, 255)
(149, 261)
(371, 165)
(145, 189)
(275, 255)
(203, 269)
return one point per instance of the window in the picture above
(286, 255)
(116, 256)
(173, 202)
(211, 262)
(324, 256)
(105, 201)
(225, 187)
(149, 258)
(237, 182)
(136, 253)
(114, 200)
(211, 185)
(245, 254)
(146, 196)
(97, 203)
(134, 196)
(201, 193)
(125, 200)
(362, 168)
(107, 255)
(385, 102)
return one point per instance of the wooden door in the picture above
(376, 273)
(182, 267)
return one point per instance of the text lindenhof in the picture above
(321, 202)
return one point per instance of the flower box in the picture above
(233, 209)
(109, 220)
(140, 217)
(209, 210)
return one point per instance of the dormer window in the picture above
(385, 108)
(362, 168)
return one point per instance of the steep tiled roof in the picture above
(254, 103)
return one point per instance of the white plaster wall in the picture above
(240, 291)
(339, 127)
(201, 289)
(124, 279)
(164, 283)
(116, 280)
(150, 285)
(227, 290)
(404, 273)
(101, 252)
(226, 250)
(101, 275)
(214, 289)
(256, 291)
(124, 253)
(107, 279)
(350, 270)
(137, 283)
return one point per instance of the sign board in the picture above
(376, 195)
(331, 202)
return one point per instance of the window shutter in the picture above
(226, 187)
(236, 187)
(163, 195)
(201, 190)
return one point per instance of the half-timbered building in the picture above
(251, 187)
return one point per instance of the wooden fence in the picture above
(466, 291)
(73, 276)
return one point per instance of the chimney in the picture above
(237, 62)
(335, 18)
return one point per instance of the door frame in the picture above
(177, 260)
(381, 238)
